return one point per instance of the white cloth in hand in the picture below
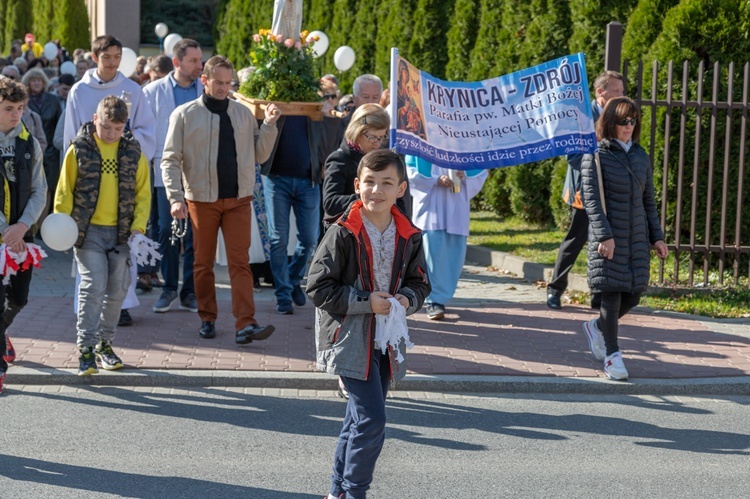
(391, 329)
(146, 251)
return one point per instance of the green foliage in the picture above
(644, 25)
(589, 19)
(396, 31)
(560, 209)
(461, 38)
(364, 43)
(43, 15)
(70, 24)
(4, 49)
(530, 191)
(341, 33)
(18, 20)
(190, 18)
(488, 43)
(495, 196)
(318, 15)
(235, 27)
(428, 48)
(284, 71)
(700, 31)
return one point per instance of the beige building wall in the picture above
(119, 18)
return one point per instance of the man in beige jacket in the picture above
(211, 149)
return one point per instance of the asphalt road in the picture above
(67, 442)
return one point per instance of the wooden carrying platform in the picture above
(313, 110)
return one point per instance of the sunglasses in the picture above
(626, 122)
(373, 139)
(329, 96)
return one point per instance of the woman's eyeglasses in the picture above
(373, 139)
(626, 122)
(329, 96)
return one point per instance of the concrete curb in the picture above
(520, 267)
(435, 383)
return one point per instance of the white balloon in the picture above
(170, 41)
(68, 68)
(128, 62)
(161, 30)
(319, 48)
(59, 231)
(343, 58)
(50, 50)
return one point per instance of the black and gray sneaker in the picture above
(87, 362)
(107, 357)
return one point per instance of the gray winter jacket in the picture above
(632, 219)
(340, 282)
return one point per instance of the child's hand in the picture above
(379, 302)
(13, 236)
(404, 301)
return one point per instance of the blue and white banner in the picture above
(526, 116)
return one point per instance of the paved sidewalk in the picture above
(498, 336)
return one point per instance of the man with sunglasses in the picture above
(607, 85)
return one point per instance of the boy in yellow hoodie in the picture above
(104, 185)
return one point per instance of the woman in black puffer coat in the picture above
(620, 240)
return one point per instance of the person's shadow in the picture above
(128, 484)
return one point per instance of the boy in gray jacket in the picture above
(22, 198)
(372, 253)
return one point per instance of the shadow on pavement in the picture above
(323, 417)
(118, 483)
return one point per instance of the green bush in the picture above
(488, 42)
(644, 25)
(19, 20)
(194, 19)
(428, 49)
(495, 196)
(589, 19)
(560, 209)
(530, 191)
(71, 24)
(236, 25)
(700, 31)
(461, 38)
(396, 31)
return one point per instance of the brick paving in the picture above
(498, 325)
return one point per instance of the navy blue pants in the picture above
(363, 433)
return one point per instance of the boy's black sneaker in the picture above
(87, 362)
(107, 357)
(125, 319)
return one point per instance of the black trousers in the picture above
(13, 297)
(570, 248)
(614, 306)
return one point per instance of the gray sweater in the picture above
(38, 199)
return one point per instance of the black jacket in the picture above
(340, 282)
(632, 219)
(338, 185)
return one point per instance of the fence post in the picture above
(613, 47)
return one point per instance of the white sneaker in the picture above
(614, 368)
(596, 339)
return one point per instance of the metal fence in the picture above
(695, 126)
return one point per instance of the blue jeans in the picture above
(170, 262)
(104, 266)
(282, 195)
(363, 433)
